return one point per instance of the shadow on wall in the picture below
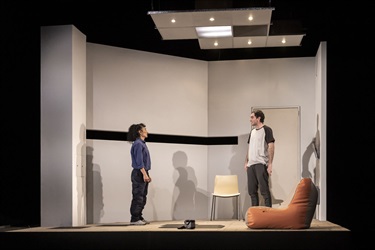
(188, 202)
(236, 167)
(312, 149)
(81, 174)
(275, 185)
(94, 187)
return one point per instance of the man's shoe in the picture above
(138, 223)
(145, 221)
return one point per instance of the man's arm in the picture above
(271, 152)
(246, 160)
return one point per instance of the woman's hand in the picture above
(146, 178)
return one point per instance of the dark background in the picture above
(347, 29)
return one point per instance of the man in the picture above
(258, 162)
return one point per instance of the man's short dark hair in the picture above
(259, 113)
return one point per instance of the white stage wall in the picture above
(179, 96)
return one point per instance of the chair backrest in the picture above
(226, 184)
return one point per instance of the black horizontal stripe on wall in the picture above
(160, 138)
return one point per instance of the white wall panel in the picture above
(185, 97)
(178, 189)
(63, 126)
(168, 94)
(235, 87)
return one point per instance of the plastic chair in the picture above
(226, 186)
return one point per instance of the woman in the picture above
(141, 163)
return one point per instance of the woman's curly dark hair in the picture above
(133, 131)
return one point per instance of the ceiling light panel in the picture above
(249, 42)
(222, 43)
(290, 40)
(259, 16)
(214, 31)
(212, 18)
(164, 19)
(178, 33)
(242, 31)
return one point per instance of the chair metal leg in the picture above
(238, 208)
(213, 207)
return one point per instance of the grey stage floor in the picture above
(218, 234)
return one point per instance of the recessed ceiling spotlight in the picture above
(212, 19)
(283, 41)
(249, 42)
(251, 18)
(216, 43)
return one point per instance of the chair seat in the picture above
(226, 195)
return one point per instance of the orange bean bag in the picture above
(297, 215)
